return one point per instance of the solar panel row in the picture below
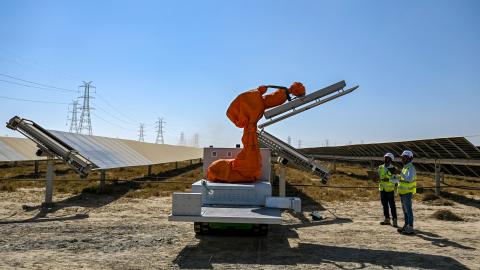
(105, 153)
(17, 149)
(458, 155)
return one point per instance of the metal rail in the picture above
(291, 155)
(50, 145)
(443, 161)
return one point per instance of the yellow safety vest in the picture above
(405, 187)
(384, 184)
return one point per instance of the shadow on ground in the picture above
(162, 176)
(439, 241)
(275, 249)
(461, 199)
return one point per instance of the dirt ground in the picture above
(128, 228)
(107, 232)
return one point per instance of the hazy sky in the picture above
(417, 64)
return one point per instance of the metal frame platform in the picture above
(251, 215)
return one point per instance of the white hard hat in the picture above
(407, 153)
(390, 155)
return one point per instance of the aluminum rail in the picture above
(302, 101)
(305, 99)
(441, 161)
(291, 155)
(50, 145)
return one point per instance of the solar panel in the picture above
(463, 155)
(104, 152)
(17, 149)
(107, 153)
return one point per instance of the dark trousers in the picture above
(388, 199)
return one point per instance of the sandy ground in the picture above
(108, 232)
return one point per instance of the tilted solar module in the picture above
(462, 153)
(17, 149)
(108, 153)
(104, 152)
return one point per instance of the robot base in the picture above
(205, 228)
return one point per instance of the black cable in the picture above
(119, 111)
(114, 116)
(108, 122)
(43, 86)
(32, 100)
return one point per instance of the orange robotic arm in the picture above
(245, 111)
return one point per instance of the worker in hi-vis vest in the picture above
(407, 186)
(386, 172)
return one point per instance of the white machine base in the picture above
(251, 215)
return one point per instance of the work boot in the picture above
(385, 222)
(400, 230)
(408, 230)
(395, 224)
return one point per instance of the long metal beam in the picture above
(307, 107)
(446, 161)
(305, 99)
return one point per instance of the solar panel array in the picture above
(17, 149)
(454, 148)
(108, 153)
(104, 152)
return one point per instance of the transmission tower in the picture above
(159, 128)
(85, 122)
(196, 139)
(141, 133)
(182, 139)
(73, 118)
(289, 140)
(299, 144)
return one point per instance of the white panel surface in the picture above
(17, 149)
(104, 152)
(109, 153)
(252, 215)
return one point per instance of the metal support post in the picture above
(272, 173)
(149, 170)
(334, 166)
(101, 187)
(49, 183)
(281, 181)
(191, 162)
(176, 164)
(437, 179)
(36, 173)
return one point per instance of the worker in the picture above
(387, 189)
(406, 188)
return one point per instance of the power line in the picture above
(160, 131)
(141, 133)
(32, 100)
(114, 116)
(182, 142)
(119, 111)
(32, 64)
(196, 140)
(30, 86)
(85, 119)
(32, 82)
(111, 123)
(73, 119)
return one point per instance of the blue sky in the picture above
(417, 64)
